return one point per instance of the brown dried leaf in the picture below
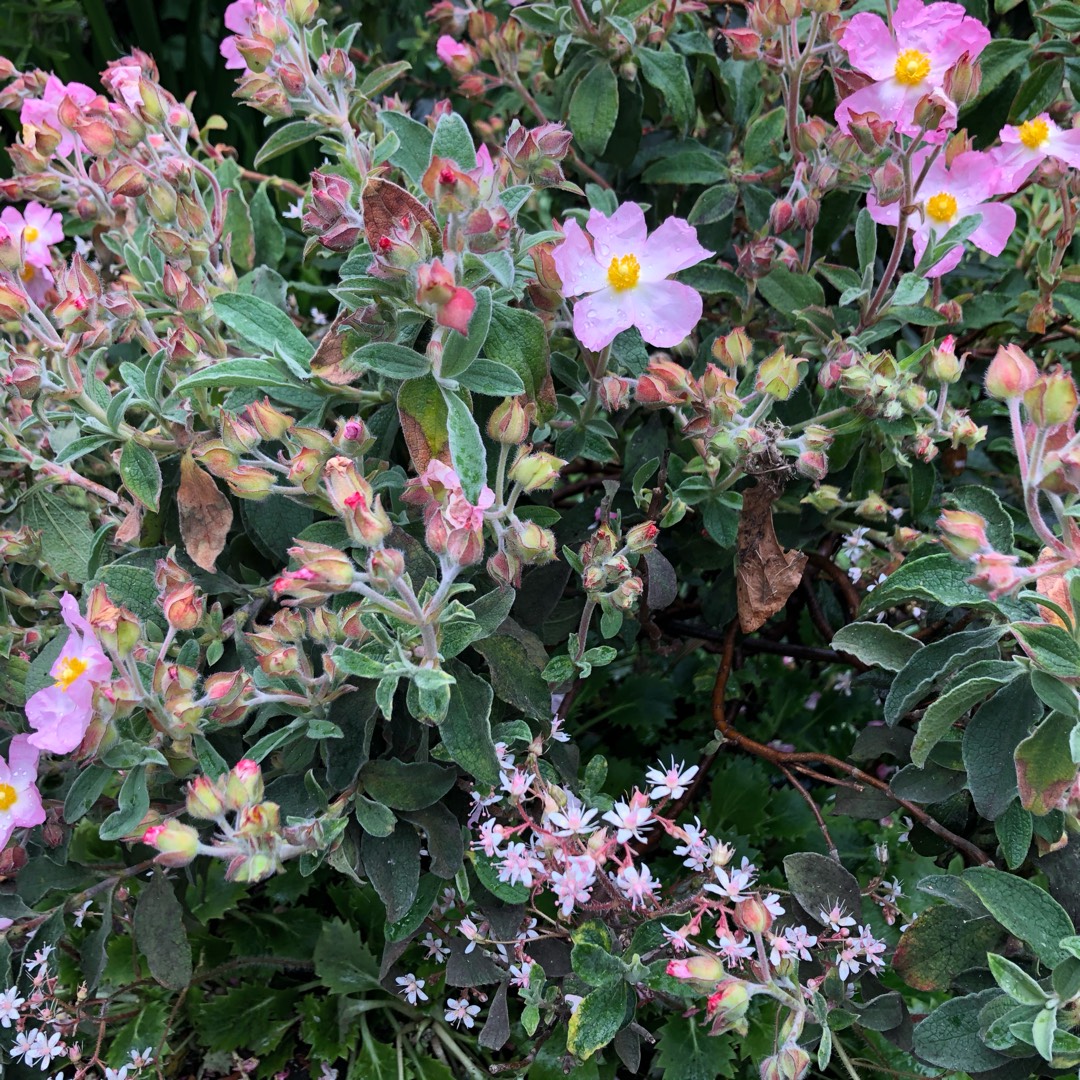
(205, 514)
(385, 204)
(130, 527)
(767, 574)
(1054, 587)
(328, 361)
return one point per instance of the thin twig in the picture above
(809, 800)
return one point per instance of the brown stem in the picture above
(784, 759)
(809, 800)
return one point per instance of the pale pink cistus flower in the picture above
(240, 19)
(908, 60)
(1026, 146)
(622, 274)
(45, 110)
(20, 803)
(36, 228)
(61, 713)
(949, 194)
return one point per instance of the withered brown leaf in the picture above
(328, 361)
(385, 204)
(767, 574)
(205, 514)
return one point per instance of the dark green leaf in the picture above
(160, 935)
(594, 107)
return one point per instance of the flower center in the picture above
(30, 234)
(1033, 133)
(7, 796)
(71, 667)
(623, 273)
(27, 273)
(912, 67)
(941, 207)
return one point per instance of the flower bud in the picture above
(753, 916)
(944, 363)
(243, 785)
(249, 482)
(794, 1062)
(873, 507)
(532, 543)
(888, 182)
(249, 869)
(1052, 400)
(734, 350)
(351, 496)
(779, 375)
(536, 472)
(963, 80)
(204, 801)
(615, 392)
(301, 11)
(964, 533)
(930, 110)
(182, 606)
(116, 628)
(642, 537)
(385, 566)
(781, 215)
(268, 421)
(824, 498)
(1011, 373)
(508, 423)
(177, 843)
(731, 999)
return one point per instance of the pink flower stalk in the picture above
(20, 803)
(622, 271)
(240, 19)
(949, 194)
(61, 713)
(908, 60)
(36, 228)
(45, 110)
(1028, 145)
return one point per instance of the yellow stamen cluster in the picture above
(71, 667)
(30, 234)
(7, 796)
(624, 271)
(1033, 133)
(941, 207)
(912, 67)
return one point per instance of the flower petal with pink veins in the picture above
(576, 264)
(624, 233)
(599, 317)
(889, 99)
(998, 222)
(869, 45)
(665, 312)
(672, 247)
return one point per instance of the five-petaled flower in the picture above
(459, 1011)
(622, 274)
(948, 194)
(907, 60)
(36, 228)
(20, 803)
(61, 713)
(1027, 145)
(412, 988)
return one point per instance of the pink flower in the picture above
(454, 54)
(946, 197)
(122, 79)
(908, 60)
(36, 280)
(240, 19)
(1025, 147)
(451, 304)
(622, 274)
(20, 803)
(61, 713)
(35, 228)
(44, 110)
(638, 886)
